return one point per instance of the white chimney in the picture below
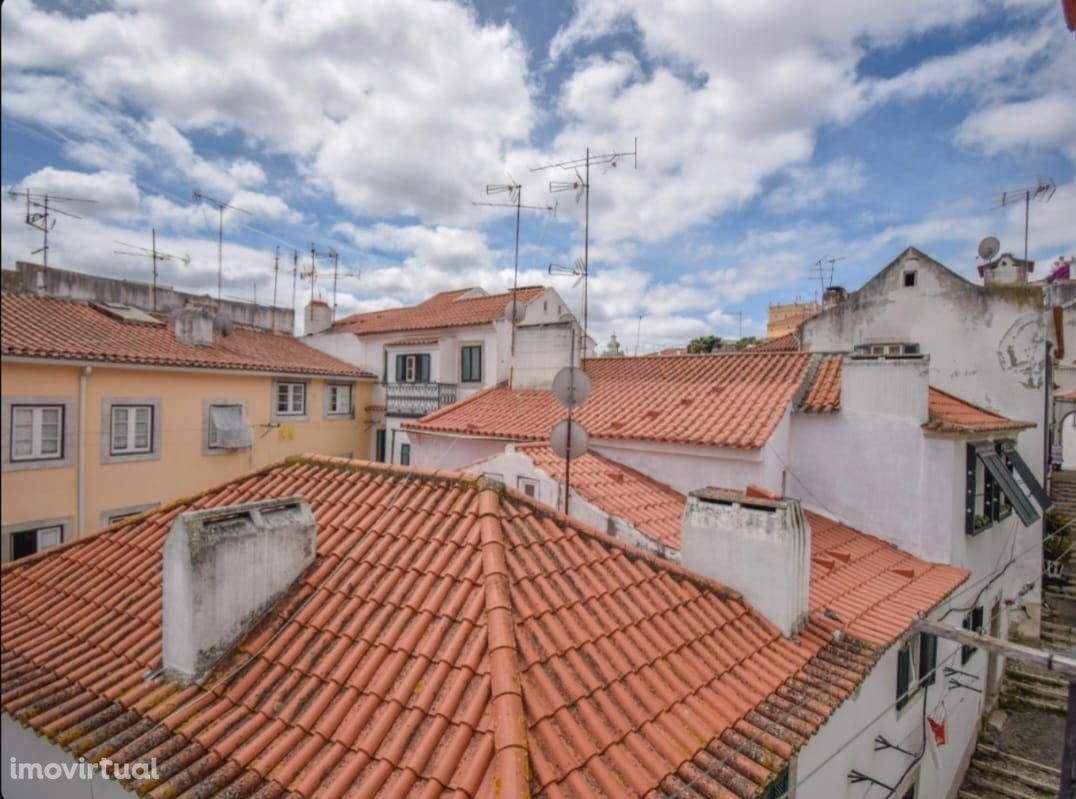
(759, 547)
(193, 325)
(317, 318)
(1006, 270)
(222, 568)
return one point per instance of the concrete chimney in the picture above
(193, 325)
(1006, 270)
(759, 547)
(833, 296)
(317, 318)
(222, 568)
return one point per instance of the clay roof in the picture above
(723, 399)
(1068, 396)
(652, 507)
(446, 309)
(48, 327)
(824, 393)
(785, 343)
(449, 637)
(950, 414)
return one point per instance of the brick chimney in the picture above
(222, 569)
(757, 546)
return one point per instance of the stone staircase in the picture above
(994, 774)
(1063, 492)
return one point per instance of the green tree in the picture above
(704, 344)
(745, 342)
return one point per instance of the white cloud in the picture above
(807, 186)
(1045, 122)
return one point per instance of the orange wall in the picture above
(182, 468)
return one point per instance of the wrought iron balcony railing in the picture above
(417, 399)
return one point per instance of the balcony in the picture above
(413, 400)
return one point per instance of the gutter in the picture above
(153, 367)
(82, 380)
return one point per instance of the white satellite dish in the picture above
(558, 439)
(514, 311)
(571, 387)
(989, 247)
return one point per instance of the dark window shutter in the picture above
(928, 658)
(424, 368)
(400, 366)
(904, 670)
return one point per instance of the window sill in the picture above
(30, 464)
(129, 457)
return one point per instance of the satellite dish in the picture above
(571, 387)
(989, 247)
(514, 311)
(558, 439)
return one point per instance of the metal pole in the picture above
(276, 276)
(294, 280)
(45, 249)
(1027, 218)
(515, 269)
(568, 448)
(220, 251)
(586, 250)
(154, 256)
(336, 263)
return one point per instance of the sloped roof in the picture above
(786, 343)
(446, 309)
(723, 399)
(824, 393)
(950, 414)
(48, 327)
(449, 637)
(652, 507)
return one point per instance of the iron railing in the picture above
(417, 399)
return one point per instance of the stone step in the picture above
(1046, 693)
(1003, 782)
(1025, 674)
(1016, 760)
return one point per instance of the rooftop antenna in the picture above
(220, 205)
(989, 247)
(823, 272)
(1043, 191)
(581, 187)
(638, 329)
(276, 277)
(294, 281)
(569, 439)
(154, 255)
(515, 200)
(41, 211)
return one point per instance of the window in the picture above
(339, 399)
(227, 427)
(528, 486)
(973, 621)
(405, 454)
(888, 349)
(991, 491)
(131, 429)
(379, 446)
(909, 279)
(37, 432)
(413, 368)
(915, 666)
(28, 542)
(471, 364)
(291, 399)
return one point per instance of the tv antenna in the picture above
(1043, 191)
(220, 205)
(515, 200)
(638, 330)
(823, 272)
(154, 255)
(41, 211)
(569, 439)
(581, 186)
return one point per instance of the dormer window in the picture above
(910, 278)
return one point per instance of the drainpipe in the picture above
(81, 523)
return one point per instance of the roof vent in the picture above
(222, 568)
(759, 547)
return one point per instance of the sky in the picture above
(772, 135)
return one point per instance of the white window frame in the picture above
(210, 444)
(56, 527)
(481, 357)
(523, 483)
(292, 389)
(37, 414)
(410, 368)
(131, 412)
(332, 396)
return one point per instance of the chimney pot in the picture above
(757, 546)
(223, 567)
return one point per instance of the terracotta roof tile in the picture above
(785, 343)
(47, 327)
(725, 400)
(447, 309)
(950, 414)
(824, 393)
(652, 507)
(449, 637)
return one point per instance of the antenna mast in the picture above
(294, 281)
(1043, 190)
(44, 218)
(220, 205)
(824, 274)
(515, 193)
(581, 185)
(154, 255)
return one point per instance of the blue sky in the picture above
(771, 135)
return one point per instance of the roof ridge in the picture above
(970, 404)
(455, 406)
(511, 765)
(737, 353)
